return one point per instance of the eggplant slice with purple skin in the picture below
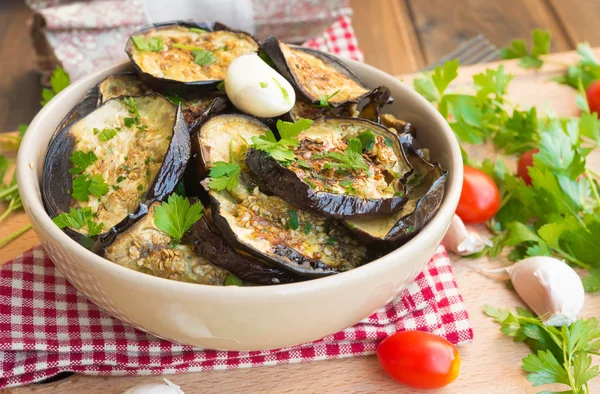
(317, 75)
(264, 226)
(313, 182)
(425, 192)
(186, 58)
(201, 257)
(139, 163)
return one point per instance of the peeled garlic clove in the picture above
(462, 242)
(255, 88)
(167, 387)
(550, 287)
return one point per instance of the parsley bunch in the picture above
(281, 150)
(58, 82)
(528, 58)
(585, 71)
(561, 355)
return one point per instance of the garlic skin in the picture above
(167, 387)
(257, 89)
(550, 287)
(462, 242)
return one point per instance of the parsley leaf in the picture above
(224, 175)
(280, 150)
(324, 99)
(83, 186)
(529, 59)
(264, 85)
(294, 220)
(351, 159)
(77, 219)
(98, 187)
(585, 71)
(81, 161)
(284, 92)
(153, 44)
(233, 280)
(197, 30)
(107, 134)
(58, 82)
(367, 139)
(176, 216)
(202, 57)
(433, 85)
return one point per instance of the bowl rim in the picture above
(27, 177)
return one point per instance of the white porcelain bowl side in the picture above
(240, 318)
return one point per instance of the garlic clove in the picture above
(167, 387)
(463, 242)
(550, 287)
(257, 89)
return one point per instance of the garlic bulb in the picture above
(167, 387)
(257, 89)
(462, 242)
(550, 287)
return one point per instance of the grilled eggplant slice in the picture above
(267, 227)
(425, 192)
(396, 125)
(318, 182)
(144, 247)
(138, 161)
(121, 84)
(317, 75)
(186, 58)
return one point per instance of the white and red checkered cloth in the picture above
(48, 327)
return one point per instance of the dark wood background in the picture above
(398, 36)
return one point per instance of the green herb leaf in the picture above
(264, 85)
(221, 86)
(196, 30)
(176, 216)
(367, 139)
(293, 221)
(284, 92)
(78, 219)
(324, 99)
(202, 57)
(351, 159)
(107, 134)
(233, 280)
(224, 175)
(81, 187)
(518, 50)
(81, 161)
(58, 82)
(433, 85)
(153, 44)
(97, 187)
(307, 228)
(591, 283)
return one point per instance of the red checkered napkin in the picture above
(47, 327)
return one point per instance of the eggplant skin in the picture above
(213, 247)
(286, 184)
(315, 73)
(57, 181)
(171, 86)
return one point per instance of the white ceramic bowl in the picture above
(241, 318)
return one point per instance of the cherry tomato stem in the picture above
(419, 359)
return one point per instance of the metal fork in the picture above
(476, 50)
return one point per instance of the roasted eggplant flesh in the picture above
(145, 248)
(425, 192)
(334, 174)
(128, 157)
(185, 54)
(124, 84)
(317, 75)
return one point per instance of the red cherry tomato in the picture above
(480, 198)
(526, 161)
(419, 359)
(593, 96)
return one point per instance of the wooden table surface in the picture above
(399, 37)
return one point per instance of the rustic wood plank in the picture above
(386, 35)
(442, 25)
(579, 18)
(491, 364)
(20, 88)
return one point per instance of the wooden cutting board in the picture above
(491, 364)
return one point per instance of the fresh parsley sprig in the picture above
(58, 82)
(350, 159)
(224, 175)
(324, 99)
(152, 44)
(84, 186)
(77, 219)
(560, 354)
(281, 150)
(176, 216)
(528, 58)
